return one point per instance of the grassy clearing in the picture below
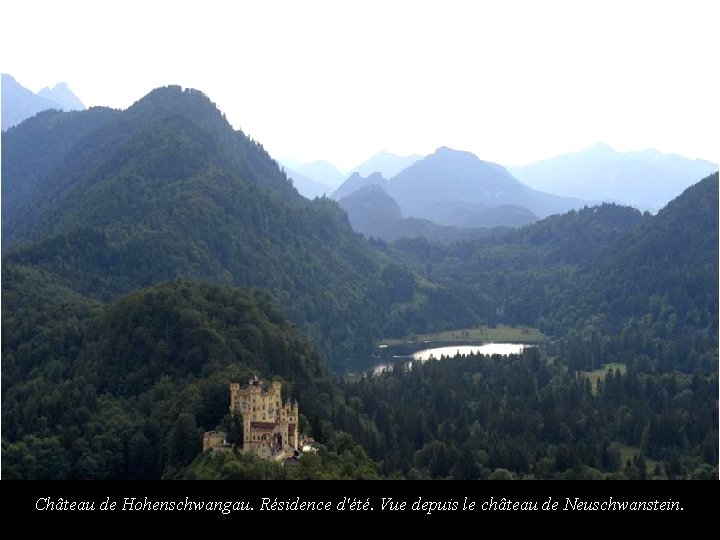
(628, 452)
(599, 373)
(484, 334)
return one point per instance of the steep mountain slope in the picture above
(167, 135)
(671, 259)
(450, 176)
(34, 152)
(385, 163)
(167, 190)
(647, 179)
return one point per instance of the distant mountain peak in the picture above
(647, 179)
(59, 86)
(356, 181)
(19, 103)
(446, 152)
(63, 96)
(602, 147)
(323, 172)
(164, 93)
(386, 163)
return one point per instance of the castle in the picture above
(270, 428)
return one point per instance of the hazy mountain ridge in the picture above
(63, 96)
(306, 186)
(454, 188)
(373, 212)
(99, 142)
(323, 172)
(356, 182)
(385, 163)
(167, 191)
(19, 103)
(455, 176)
(646, 179)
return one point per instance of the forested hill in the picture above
(168, 135)
(613, 282)
(111, 201)
(127, 389)
(655, 289)
(125, 236)
(673, 255)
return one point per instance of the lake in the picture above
(484, 348)
(451, 350)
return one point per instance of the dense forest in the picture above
(109, 201)
(152, 255)
(127, 389)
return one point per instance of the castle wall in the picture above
(270, 428)
(213, 439)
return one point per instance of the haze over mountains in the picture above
(645, 179)
(306, 186)
(323, 172)
(19, 103)
(449, 177)
(454, 188)
(385, 163)
(63, 96)
(167, 189)
(449, 188)
(130, 238)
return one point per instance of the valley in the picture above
(153, 255)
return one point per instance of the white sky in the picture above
(511, 81)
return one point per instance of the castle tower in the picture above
(270, 428)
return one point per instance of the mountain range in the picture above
(166, 189)
(452, 188)
(447, 188)
(150, 254)
(19, 103)
(645, 179)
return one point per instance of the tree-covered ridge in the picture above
(652, 293)
(33, 150)
(108, 373)
(140, 380)
(167, 190)
(513, 276)
(612, 283)
(169, 134)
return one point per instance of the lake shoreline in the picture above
(389, 360)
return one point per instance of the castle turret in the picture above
(270, 428)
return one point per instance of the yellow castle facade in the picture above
(270, 427)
